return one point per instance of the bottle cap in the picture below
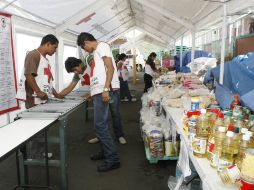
(244, 130)
(222, 129)
(203, 111)
(251, 117)
(250, 133)
(230, 127)
(235, 96)
(220, 115)
(230, 134)
(246, 137)
(229, 113)
(240, 117)
(236, 130)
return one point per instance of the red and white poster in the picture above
(8, 84)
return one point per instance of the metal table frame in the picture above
(22, 162)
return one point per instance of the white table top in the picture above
(209, 176)
(14, 134)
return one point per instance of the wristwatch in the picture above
(106, 90)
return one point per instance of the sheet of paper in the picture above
(8, 100)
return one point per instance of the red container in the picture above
(246, 185)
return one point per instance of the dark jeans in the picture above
(114, 106)
(148, 81)
(124, 89)
(101, 110)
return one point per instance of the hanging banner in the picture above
(8, 84)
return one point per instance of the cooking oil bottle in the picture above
(215, 152)
(228, 152)
(250, 134)
(219, 122)
(250, 124)
(228, 118)
(239, 122)
(200, 140)
(243, 146)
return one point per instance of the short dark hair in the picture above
(72, 62)
(49, 38)
(122, 56)
(152, 55)
(84, 36)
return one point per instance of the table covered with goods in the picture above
(181, 118)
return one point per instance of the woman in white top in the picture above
(123, 75)
(150, 70)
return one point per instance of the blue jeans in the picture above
(114, 104)
(101, 110)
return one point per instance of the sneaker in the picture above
(107, 166)
(94, 140)
(122, 140)
(98, 156)
(124, 100)
(133, 100)
(50, 155)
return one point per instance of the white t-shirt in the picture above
(149, 70)
(98, 70)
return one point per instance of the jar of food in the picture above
(194, 103)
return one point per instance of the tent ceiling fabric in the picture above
(161, 21)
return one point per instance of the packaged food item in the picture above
(195, 103)
(230, 175)
(247, 170)
(156, 147)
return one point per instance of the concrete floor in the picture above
(135, 173)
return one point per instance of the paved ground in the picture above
(135, 174)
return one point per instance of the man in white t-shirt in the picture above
(103, 82)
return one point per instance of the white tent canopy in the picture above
(163, 21)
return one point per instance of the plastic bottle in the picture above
(228, 150)
(215, 151)
(243, 146)
(250, 134)
(192, 128)
(213, 128)
(235, 102)
(203, 129)
(200, 140)
(239, 122)
(243, 131)
(228, 118)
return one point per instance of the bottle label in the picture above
(222, 164)
(210, 146)
(191, 135)
(199, 145)
(214, 159)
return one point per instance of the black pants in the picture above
(148, 81)
(124, 89)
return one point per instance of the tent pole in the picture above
(181, 53)
(224, 25)
(134, 57)
(193, 46)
